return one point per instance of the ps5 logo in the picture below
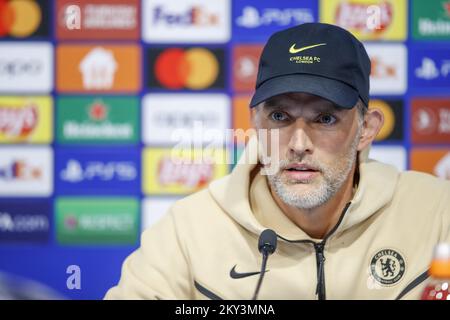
(429, 69)
(75, 172)
(72, 17)
(251, 17)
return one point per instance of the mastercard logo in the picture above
(193, 68)
(19, 18)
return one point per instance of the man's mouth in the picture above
(300, 167)
(301, 172)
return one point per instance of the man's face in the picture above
(318, 145)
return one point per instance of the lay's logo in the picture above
(188, 174)
(26, 120)
(18, 122)
(181, 171)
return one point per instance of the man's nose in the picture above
(300, 142)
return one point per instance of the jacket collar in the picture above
(250, 203)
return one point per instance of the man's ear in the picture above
(373, 122)
(253, 116)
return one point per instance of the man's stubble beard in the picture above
(325, 186)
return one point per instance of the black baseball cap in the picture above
(316, 58)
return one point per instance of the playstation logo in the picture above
(427, 70)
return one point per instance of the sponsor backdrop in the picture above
(95, 94)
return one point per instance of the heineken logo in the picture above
(70, 222)
(431, 20)
(98, 111)
(446, 6)
(106, 119)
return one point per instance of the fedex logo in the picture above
(26, 171)
(20, 170)
(199, 21)
(195, 15)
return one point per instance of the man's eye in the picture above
(278, 116)
(326, 119)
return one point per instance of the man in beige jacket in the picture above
(347, 227)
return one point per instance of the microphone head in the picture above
(267, 242)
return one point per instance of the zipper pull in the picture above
(320, 257)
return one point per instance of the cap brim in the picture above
(335, 91)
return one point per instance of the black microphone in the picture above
(267, 244)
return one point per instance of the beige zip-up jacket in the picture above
(206, 246)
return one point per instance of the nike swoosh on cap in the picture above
(292, 49)
(238, 275)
